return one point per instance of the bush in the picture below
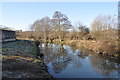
(109, 36)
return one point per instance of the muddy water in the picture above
(65, 62)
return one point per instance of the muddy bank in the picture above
(22, 67)
(19, 61)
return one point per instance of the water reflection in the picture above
(59, 66)
(105, 66)
(57, 55)
(63, 61)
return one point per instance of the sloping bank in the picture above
(103, 48)
(19, 61)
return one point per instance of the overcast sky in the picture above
(19, 15)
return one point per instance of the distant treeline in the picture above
(103, 28)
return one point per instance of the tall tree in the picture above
(42, 27)
(60, 23)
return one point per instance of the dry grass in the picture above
(97, 46)
(22, 58)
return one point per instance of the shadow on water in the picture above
(65, 62)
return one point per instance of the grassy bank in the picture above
(19, 61)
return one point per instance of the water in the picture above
(65, 62)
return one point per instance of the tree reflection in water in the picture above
(58, 57)
(105, 66)
(59, 66)
(82, 54)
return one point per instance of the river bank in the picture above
(99, 47)
(19, 61)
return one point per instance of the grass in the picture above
(21, 47)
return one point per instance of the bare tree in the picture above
(104, 22)
(80, 30)
(42, 28)
(60, 23)
(104, 28)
